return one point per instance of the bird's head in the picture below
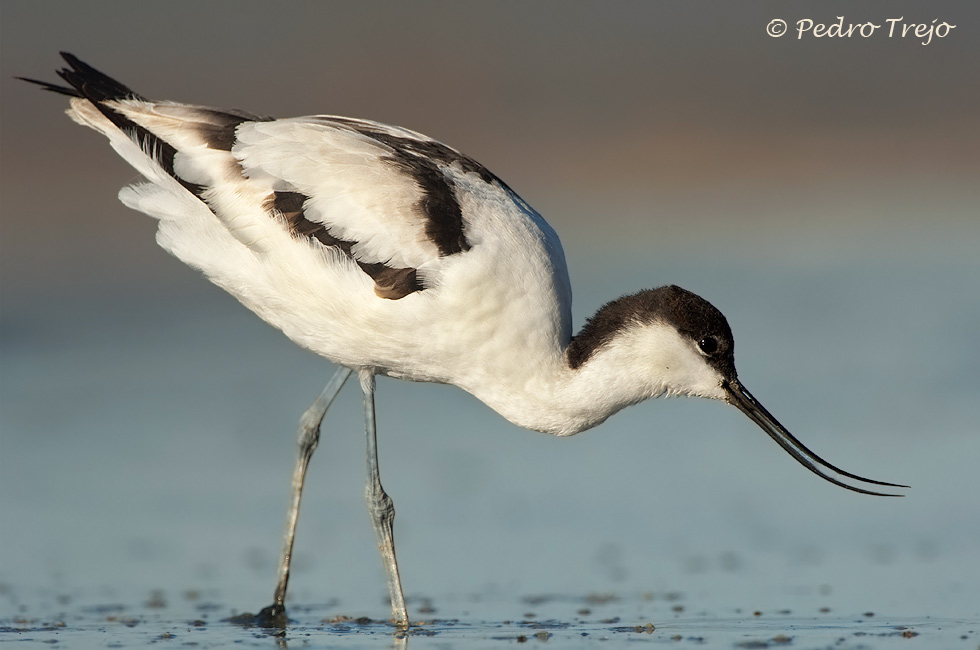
(681, 344)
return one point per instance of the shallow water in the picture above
(145, 472)
(597, 619)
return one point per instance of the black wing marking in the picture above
(420, 160)
(417, 158)
(391, 283)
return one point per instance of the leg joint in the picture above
(379, 503)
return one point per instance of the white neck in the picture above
(546, 394)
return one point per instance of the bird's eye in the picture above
(709, 345)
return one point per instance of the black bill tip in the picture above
(741, 398)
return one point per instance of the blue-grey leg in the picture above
(380, 506)
(309, 436)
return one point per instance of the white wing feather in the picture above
(352, 191)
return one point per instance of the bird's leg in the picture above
(380, 505)
(309, 436)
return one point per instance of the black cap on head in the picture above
(690, 314)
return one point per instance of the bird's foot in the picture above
(273, 616)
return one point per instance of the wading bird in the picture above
(390, 253)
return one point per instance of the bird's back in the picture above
(371, 245)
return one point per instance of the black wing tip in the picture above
(92, 84)
(55, 88)
(85, 81)
(73, 60)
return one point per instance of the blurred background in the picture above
(823, 193)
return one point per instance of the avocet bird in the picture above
(392, 254)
